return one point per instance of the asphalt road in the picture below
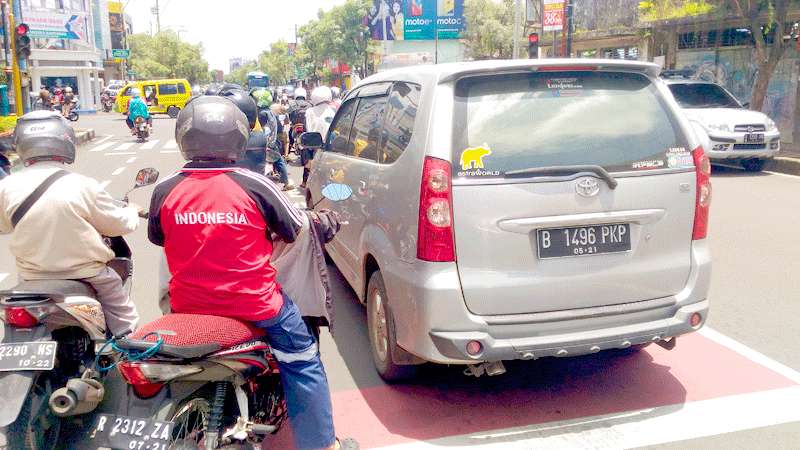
(734, 385)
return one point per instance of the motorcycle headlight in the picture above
(718, 127)
(770, 125)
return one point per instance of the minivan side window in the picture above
(167, 89)
(339, 133)
(127, 91)
(181, 88)
(399, 123)
(368, 136)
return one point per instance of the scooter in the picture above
(52, 358)
(73, 116)
(142, 129)
(196, 381)
(107, 102)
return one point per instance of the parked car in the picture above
(738, 135)
(509, 210)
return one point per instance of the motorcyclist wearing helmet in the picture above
(61, 236)
(318, 120)
(217, 223)
(66, 104)
(272, 129)
(337, 96)
(137, 108)
(297, 115)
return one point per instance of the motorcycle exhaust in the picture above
(79, 396)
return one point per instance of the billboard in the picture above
(553, 15)
(55, 25)
(398, 20)
(116, 24)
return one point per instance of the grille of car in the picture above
(750, 128)
(748, 146)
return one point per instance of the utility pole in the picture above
(15, 64)
(157, 13)
(517, 31)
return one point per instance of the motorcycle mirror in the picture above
(146, 177)
(311, 140)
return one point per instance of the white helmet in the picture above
(336, 92)
(300, 93)
(68, 89)
(321, 95)
(136, 92)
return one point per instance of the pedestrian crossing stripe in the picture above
(103, 146)
(171, 144)
(149, 145)
(125, 146)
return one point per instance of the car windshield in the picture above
(702, 95)
(517, 122)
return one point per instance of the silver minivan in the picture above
(517, 210)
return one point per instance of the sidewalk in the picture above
(787, 161)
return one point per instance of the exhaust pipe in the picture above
(79, 396)
(668, 343)
(488, 368)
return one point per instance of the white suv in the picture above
(737, 134)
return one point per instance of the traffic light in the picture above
(22, 42)
(533, 45)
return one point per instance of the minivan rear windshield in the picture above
(517, 121)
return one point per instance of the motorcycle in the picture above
(73, 116)
(142, 129)
(53, 357)
(107, 102)
(196, 381)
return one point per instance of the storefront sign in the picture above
(55, 25)
(398, 20)
(120, 53)
(553, 15)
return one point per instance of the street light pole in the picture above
(517, 32)
(15, 63)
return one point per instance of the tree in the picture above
(489, 31)
(278, 63)
(239, 76)
(764, 18)
(164, 55)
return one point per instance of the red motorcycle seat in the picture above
(194, 330)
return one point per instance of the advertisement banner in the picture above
(55, 25)
(398, 20)
(116, 25)
(553, 15)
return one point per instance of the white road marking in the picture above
(130, 160)
(749, 353)
(149, 145)
(118, 171)
(125, 146)
(168, 151)
(119, 153)
(3, 277)
(641, 428)
(103, 139)
(171, 144)
(788, 175)
(102, 147)
(104, 184)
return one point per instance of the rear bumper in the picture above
(433, 323)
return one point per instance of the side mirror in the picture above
(146, 177)
(311, 140)
(746, 105)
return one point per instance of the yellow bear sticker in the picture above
(472, 158)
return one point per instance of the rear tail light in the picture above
(161, 373)
(20, 318)
(703, 198)
(435, 233)
(142, 386)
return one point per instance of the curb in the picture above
(84, 136)
(786, 165)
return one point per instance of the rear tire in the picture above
(173, 111)
(382, 341)
(191, 423)
(754, 165)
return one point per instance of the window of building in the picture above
(631, 53)
(167, 89)
(399, 123)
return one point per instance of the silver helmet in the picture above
(44, 135)
(211, 128)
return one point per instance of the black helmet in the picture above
(211, 128)
(44, 135)
(228, 87)
(213, 89)
(245, 103)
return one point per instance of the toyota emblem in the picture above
(587, 187)
(750, 129)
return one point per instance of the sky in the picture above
(228, 28)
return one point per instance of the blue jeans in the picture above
(280, 167)
(305, 385)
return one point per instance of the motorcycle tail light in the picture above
(133, 374)
(20, 318)
(162, 373)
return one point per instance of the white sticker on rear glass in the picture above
(650, 164)
(564, 83)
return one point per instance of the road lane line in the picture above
(638, 429)
(3, 277)
(130, 160)
(149, 145)
(125, 146)
(118, 171)
(102, 147)
(119, 153)
(104, 184)
(171, 144)
(103, 139)
(168, 151)
(749, 353)
(787, 175)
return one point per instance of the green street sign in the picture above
(121, 53)
(131, 73)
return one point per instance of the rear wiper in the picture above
(566, 170)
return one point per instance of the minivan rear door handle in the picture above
(527, 224)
